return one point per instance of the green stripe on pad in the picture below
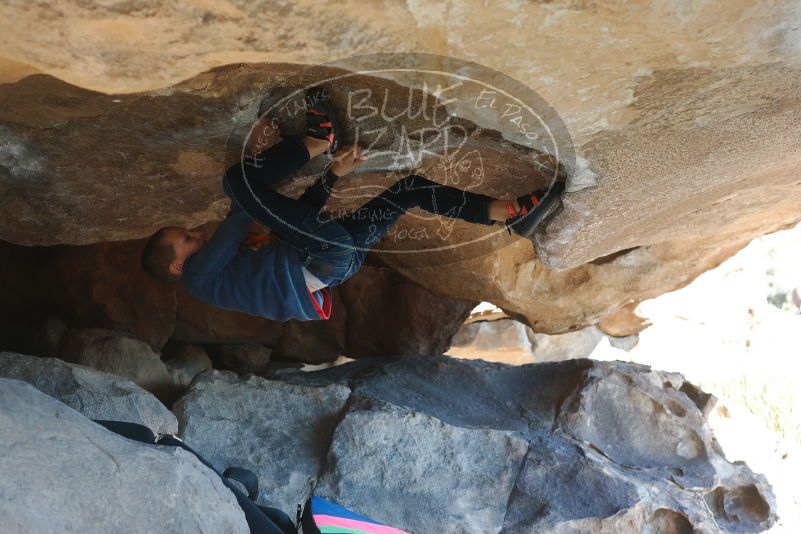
(343, 530)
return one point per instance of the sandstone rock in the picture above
(686, 136)
(569, 346)
(124, 356)
(556, 302)
(624, 323)
(497, 334)
(510, 341)
(95, 394)
(500, 340)
(64, 473)
(280, 431)
(129, 125)
(411, 319)
(574, 446)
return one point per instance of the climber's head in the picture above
(166, 251)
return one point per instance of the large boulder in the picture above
(685, 121)
(280, 431)
(64, 473)
(95, 394)
(445, 445)
(443, 478)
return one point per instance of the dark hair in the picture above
(157, 256)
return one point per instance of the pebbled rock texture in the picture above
(278, 430)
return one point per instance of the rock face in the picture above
(124, 356)
(377, 312)
(444, 445)
(510, 341)
(278, 430)
(95, 394)
(685, 121)
(103, 482)
(185, 362)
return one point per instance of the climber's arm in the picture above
(223, 245)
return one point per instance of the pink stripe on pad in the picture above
(372, 528)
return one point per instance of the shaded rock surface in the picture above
(498, 268)
(124, 356)
(97, 286)
(243, 359)
(376, 312)
(102, 482)
(185, 362)
(95, 394)
(444, 445)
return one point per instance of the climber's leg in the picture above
(270, 166)
(314, 235)
(317, 194)
(374, 219)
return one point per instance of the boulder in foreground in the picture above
(64, 473)
(95, 394)
(446, 445)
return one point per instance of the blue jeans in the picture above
(334, 249)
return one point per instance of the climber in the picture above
(288, 278)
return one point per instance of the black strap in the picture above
(257, 520)
(245, 477)
(280, 519)
(131, 431)
(307, 519)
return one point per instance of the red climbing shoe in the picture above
(534, 209)
(321, 122)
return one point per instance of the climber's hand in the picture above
(347, 158)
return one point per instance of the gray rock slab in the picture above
(281, 431)
(113, 353)
(559, 483)
(612, 446)
(95, 394)
(63, 473)
(420, 474)
(636, 417)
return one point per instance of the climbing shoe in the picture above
(534, 209)
(321, 122)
